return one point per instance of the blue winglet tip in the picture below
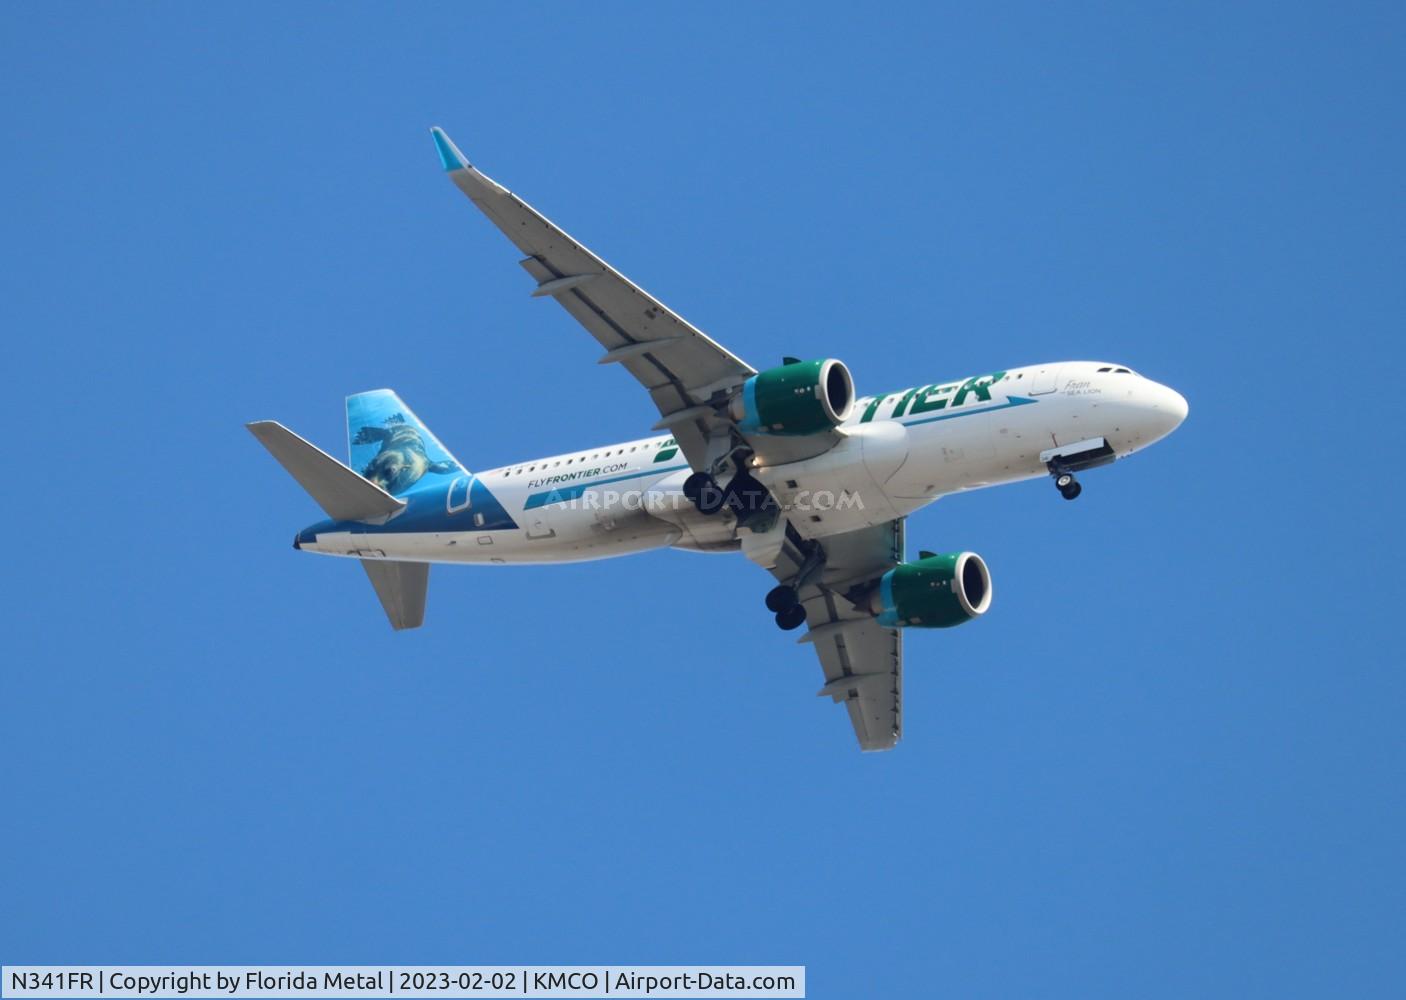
(448, 154)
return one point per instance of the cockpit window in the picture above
(1121, 371)
(1105, 369)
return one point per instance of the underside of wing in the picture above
(862, 660)
(686, 373)
(863, 665)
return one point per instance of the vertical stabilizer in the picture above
(391, 447)
(401, 587)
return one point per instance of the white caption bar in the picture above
(443, 982)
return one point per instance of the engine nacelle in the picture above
(936, 591)
(804, 397)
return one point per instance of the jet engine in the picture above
(800, 397)
(936, 591)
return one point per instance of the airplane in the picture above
(786, 465)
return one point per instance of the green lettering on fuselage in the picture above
(981, 385)
(903, 403)
(927, 398)
(934, 397)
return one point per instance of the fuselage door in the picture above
(1044, 379)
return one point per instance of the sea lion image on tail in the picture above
(401, 462)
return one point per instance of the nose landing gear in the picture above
(1067, 485)
(1063, 461)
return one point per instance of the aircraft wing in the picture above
(862, 660)
(682, 368)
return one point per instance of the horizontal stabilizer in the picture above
(339, 491)
(401, 586)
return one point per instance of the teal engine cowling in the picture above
(936, 591)
(801, 397)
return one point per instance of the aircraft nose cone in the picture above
(1170, 406)
(1176, 406)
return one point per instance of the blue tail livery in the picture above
(389, 446)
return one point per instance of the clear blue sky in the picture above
(1168, 763)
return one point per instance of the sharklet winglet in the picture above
(449, 154)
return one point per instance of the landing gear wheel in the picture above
(705, 493)
(1067, 485)
(792, 618)
(693, 485)
(711, 500)
(781, 598)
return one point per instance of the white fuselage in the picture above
(898, 453)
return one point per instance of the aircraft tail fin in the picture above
(338, 490)
(401, 587)
(391, 446)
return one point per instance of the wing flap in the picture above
(863, 665)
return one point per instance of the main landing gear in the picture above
(750, 501)
(705, 493)
(786, 603)
(746, 497)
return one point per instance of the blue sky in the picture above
(1168, 763)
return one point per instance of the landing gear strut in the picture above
(1063, 461)
(785, 598)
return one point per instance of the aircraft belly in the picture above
(563, 533)
(503, 547)
(846, 488)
